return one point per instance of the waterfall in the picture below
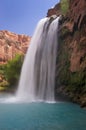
(37, 78)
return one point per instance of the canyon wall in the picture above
(12, 44)
(71, 55)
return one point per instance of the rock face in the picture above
(73, 25)
(11, 44)
(71, 60)
(76, 24)
(76, 43)
(54, 11)
(77, 59)
(77, 12)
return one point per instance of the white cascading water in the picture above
(37, 78)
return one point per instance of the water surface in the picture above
(42, 116)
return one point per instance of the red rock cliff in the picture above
(71, 65)
(11, 43)
(77, 12)
(54, 11)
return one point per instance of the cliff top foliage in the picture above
(64, 6)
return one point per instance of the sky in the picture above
(22, 16)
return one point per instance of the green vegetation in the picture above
(12, 69)
(3, 82)
(64, 6)
(2, 69)
(63, 63)
(10, 73)
(74, 82)
(4, 85)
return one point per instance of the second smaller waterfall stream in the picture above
(37, 78)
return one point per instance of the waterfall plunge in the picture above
(37, 78)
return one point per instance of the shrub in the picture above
(2, 69)
(64, 6)
(13, 68)
(4, 84)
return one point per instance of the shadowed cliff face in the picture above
(77, 12)
(11, 44)
(71, 58)
(76, 44)
(73, 29)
